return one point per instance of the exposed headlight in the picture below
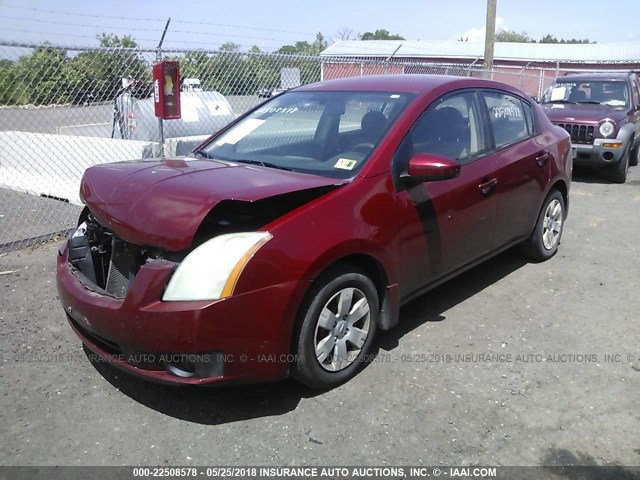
(211, 271)
(81, 231)
(607, 128)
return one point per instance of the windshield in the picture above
(331, 134)
(611, 93)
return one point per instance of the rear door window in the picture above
(508, 118)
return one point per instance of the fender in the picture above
(625, 133)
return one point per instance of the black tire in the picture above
(635, 156)
(619, 170)
(535, 247)
(326, 291)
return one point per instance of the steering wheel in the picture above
(364, 147)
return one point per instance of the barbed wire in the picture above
(75, 35)
(142, 29)
(147, 19)
(179, 51)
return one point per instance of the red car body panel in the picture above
(142, 324)
(413, 238)
(162, 203)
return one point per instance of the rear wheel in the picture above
(619, 171)
(545, 239)
(336, 326)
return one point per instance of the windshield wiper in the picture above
(559, 101)
(264, 164)
(250, 162)
(592, 102)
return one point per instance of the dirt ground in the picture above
(562, 388)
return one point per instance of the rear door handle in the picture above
(488, 186)
(542, 158)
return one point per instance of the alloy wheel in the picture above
(342, 329)
(552, 224)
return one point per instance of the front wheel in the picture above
(545, 239)
(619, 171)
(335, 330)
(635, 156)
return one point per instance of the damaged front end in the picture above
(108, 264)
(103, 261)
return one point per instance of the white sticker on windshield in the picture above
(345, 164)
(558, 93)
(240, 131)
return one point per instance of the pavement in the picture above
(27, 219)
(84, 120)
(512, 363)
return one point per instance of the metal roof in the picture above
(532, 52)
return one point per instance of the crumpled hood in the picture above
(582, 113)
(162, 202)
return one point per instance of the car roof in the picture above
(406, 83)
(595, 76)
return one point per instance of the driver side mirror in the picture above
(430, 167)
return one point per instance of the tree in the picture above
(229, 47)
(43, 75)
(319, 45)
(12, 88)
(102, 71)
(111, 40)
(511, 36)
(548, 38)
(305, 48)
(346, 33)
(380, 34)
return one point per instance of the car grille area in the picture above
(105, 261)
(122, 268)
(582, 134)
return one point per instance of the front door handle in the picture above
(487, 187)
(542, 158)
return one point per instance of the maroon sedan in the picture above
(296, 233)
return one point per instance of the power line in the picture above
(248, 28)
(107, 27)
(176, 42)
(139, 19)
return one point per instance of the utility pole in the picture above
(490, 37)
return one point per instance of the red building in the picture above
(528, 66)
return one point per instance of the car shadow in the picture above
(214, 405)
(564, 464)
(431, 306)
(226, 403)
(591, 175)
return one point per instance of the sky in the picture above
(271, 24)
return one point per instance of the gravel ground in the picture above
(553, 398)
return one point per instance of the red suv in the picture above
(601, 112)
(296, 233)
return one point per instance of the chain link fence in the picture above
(63, 109)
